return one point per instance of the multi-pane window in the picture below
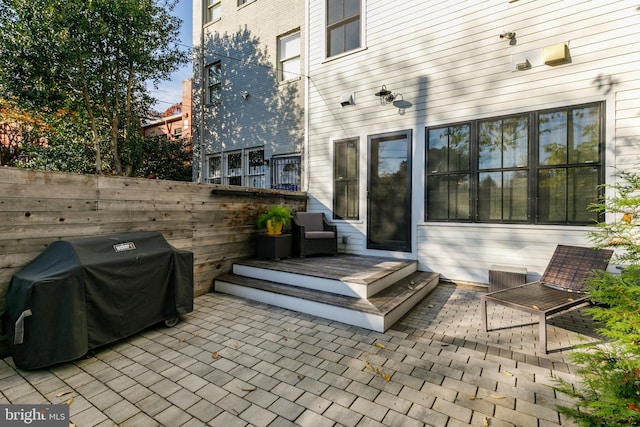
(243, 167)
(214, 83)
(569, 163)
(215, 169)
(448, 172)
(503, 169)
(343, 26)
(213, 11)
(254, 160)
(345, 179)
(542, 167)
(289, 56)
(242, 2)
(285, 173)
(233, 168)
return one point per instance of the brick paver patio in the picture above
(234, 362)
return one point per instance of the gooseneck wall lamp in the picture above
(396, 99)
(385, 95)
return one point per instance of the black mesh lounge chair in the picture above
(560, 288)
(312, 234)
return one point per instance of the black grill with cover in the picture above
(80, 294)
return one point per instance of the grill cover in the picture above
(81, 294)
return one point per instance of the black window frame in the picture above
(352, 180)
(534, 170)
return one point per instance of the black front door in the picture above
(389, 192)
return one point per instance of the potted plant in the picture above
(274, 219)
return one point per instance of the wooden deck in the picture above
(364, 291)
(347, 268)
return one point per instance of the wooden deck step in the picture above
(377, 313)
(349, 275)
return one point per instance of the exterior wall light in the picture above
(385, 95)
(347, 99)
(509, 35)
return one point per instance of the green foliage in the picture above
(624, 231)
(165, 158)
(276, 214)
(609, 390)
(72, 156)
(93, 59)
(618, 298)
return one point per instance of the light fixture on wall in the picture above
(347, 99)
(244, 94)
(385, 95)
(524, 65)
(401, 104)
(556, 54)
(510, 36)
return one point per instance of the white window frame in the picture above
(286, 172)
(231, 173)
(214, 175)
(212, 11)
(214, 82)
(289, 50)
(254, 174)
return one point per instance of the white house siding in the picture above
(446, 58)
(245, 41)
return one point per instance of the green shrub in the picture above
(609, 390)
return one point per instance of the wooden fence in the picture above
(216, 223)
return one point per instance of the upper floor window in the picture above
(289, 56)
(243, 2)
(343, 26)
(542, 167)
(213, 11)
(214, 83)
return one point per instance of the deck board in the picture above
(380, 304)
(347, 268)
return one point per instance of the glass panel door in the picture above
(389, 192)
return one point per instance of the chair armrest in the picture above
(297, 228)
(327, 226)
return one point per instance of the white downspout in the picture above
(305, 154)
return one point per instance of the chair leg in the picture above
(543, 332)
(483, 313)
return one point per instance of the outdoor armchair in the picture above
(312, 234)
